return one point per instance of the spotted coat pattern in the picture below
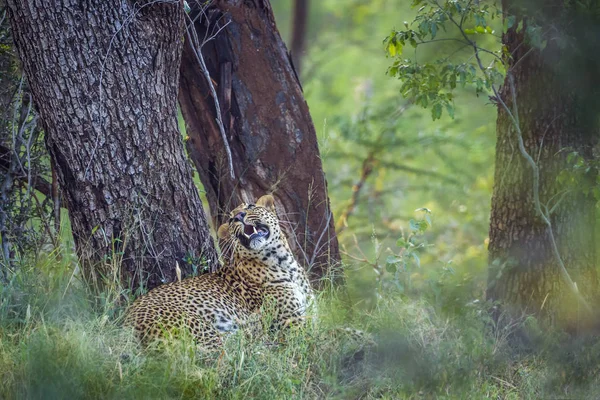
(212, 305)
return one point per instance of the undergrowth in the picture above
(59, 342)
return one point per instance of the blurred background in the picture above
(384, 157)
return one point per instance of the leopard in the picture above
(212, 306)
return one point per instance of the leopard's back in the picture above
(205, 305)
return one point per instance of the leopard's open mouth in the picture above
(251, 232)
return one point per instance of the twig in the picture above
(43, 220)
(196, 47)
(3, 17)
(366, 171)
(55, 200)
(40, 184)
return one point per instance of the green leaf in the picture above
(450, 110)
(418, 226)
(391, 48)
(401, 243)
(414, 226)
(428, 219)
(391, 268)
(393, 259)
(436, 111)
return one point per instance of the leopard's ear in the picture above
(223, 231)
(267, 201)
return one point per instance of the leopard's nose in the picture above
(239, 216)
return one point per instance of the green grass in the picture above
(57, 342)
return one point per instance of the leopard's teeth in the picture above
(248, 236)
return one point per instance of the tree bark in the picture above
(524, 273)
(104, 77)
(268, 127)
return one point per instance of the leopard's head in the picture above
(253, 226)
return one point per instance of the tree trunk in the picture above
(104, 77)
(299, 26)
(524, 273)
(268, 127)
(8, 87)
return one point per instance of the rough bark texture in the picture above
(268, 126)
(104, 76)
(523, 272)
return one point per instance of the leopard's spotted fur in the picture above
(212, 305)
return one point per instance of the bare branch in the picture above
(366, 170)
(196, 46)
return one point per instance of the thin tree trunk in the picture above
(268, 127)
(299, 27)
(104, 77)
(524, 272)
(8, 87)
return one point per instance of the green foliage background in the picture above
(444, 165)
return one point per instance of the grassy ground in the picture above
(57, 342)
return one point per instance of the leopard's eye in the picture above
(250, 206)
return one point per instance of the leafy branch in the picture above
(433, 83)
(409, 246)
